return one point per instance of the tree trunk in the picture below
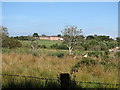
(32, 46)
(70, 50)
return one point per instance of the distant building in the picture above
(51, 38)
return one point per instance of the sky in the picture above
(50, 18)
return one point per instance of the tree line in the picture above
(73, 40)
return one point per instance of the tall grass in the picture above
(41, 65)
(49, 66)
(31, 51)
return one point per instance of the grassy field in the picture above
(24, 62)
(47, 43)
(49, 63)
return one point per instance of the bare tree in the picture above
(34, 45)
(71, 36)
(33, 42)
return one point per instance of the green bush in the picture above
(75, 68)
(61, 46)
(105, 64)
(85, 61)
(113, 64)
(106, 52)
(88, 61)
(95, 54)
(118, 54)
(42, 46)
(93, 62)
(80, 48)
(58, 54)
(54, 45)
(112, 44)
(10, 43)
(105, 57)
(22, 38)
(98, 45)
(5, 50)
(91, 45)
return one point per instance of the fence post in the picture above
(65, 80)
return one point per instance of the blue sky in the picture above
(50, 18)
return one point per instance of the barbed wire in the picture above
(97, 83)
(30, 77)
(42, 78)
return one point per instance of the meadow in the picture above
(49, 63)
(47, 43)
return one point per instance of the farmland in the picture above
(47, 43)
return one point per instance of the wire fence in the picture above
(42, 78)
(53, 82)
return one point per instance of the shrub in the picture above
(80, 48)
(105, 57)
(22, 37)
(88, 61)
(112, 44)
(85, 61)
(113, 64)
(96, 45)
(10, 43)
(103, 46)
(105, 64)
(61, 46)
(5, 50)
(54, 45)
(95, 54)
(58, 54)
(42, 46)
(75, 68)
(118, 54)
(106, 52)
(93, 62)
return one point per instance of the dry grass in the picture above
(42, 65)
(49, 66)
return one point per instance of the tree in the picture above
(35, 35)
(3, 31)
(8, 42)
(90, 37)
(43, 35)
(71, 36)
(103, 38)
(22, 37)
(59, 35)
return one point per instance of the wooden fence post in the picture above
(65, 80)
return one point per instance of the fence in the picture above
(64, 81)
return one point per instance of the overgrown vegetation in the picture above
(49, 66)
(8, 42)
(90, 58)
(58, 54)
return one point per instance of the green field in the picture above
(47, 43)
